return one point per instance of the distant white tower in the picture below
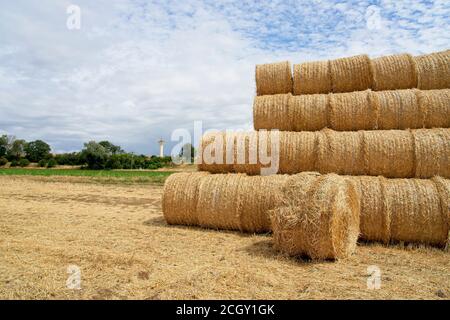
(161, 148)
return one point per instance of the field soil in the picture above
(116, 237)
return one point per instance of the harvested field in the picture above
(116, 234)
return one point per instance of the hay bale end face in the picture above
(273, 78)
(323, 221)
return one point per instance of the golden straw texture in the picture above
(409, 210)
(320, 221)
(433, 70)
(391, 210)
(360, 110)
(351, 74)
(312, 77)
(420, 153)
(394, 72)
(273, 78)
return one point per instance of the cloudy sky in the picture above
(137, 70)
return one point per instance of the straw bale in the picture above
(351, 111)
(398, 109)
(340, 152)
(415, 211)
(309, 112)
(433, 70)
(273, 112)
(324, 224)
(432, 152)
(312, 77)
(394, 72)
(389, 153)
(179, 201)
(351, 74)
(435, 107)
(273, 78)
(392, 153)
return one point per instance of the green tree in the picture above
(95, 155)
(111, 148)
(16, 149)
(37, 150)
(3, 145)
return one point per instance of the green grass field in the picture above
(125, 176)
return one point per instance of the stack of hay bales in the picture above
(363, 151)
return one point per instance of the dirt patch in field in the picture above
(117, 238)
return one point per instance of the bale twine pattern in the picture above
(273, 78)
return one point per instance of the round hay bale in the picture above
(217, 205)
(273, 112)
(309, 112)
(340, 152)
(325, 224)
(213, 153)
(351, 111)
(351, 74)
(415, 210)
(312, 77)
(375, 218)
(443, 187)
(297, 152)
(433, 70)
(246, 153)
(273, 78)
(394, 72)
(180, 195)
(389, 153)
(258, 195)
(435, 107)
(398, 109)
(432, 151)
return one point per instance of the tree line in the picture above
(94, 155)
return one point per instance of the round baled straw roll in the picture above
(435, 107)
(213, 152)
(273, 78)
(273, 112)
(389, 153)
(312, 77)
(432, 153)
(420, 153)
(433, 70)
(180, 193)
(397, 109)
(409, 210)
(351, 74)
(340, 152)
(309, 112)
(351, 111)
(391, 210)
(394, 72)
(323, 220)
(360, 110)
(222, 201)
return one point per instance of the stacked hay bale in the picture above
(382, 124)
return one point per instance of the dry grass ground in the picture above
(117, 236)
